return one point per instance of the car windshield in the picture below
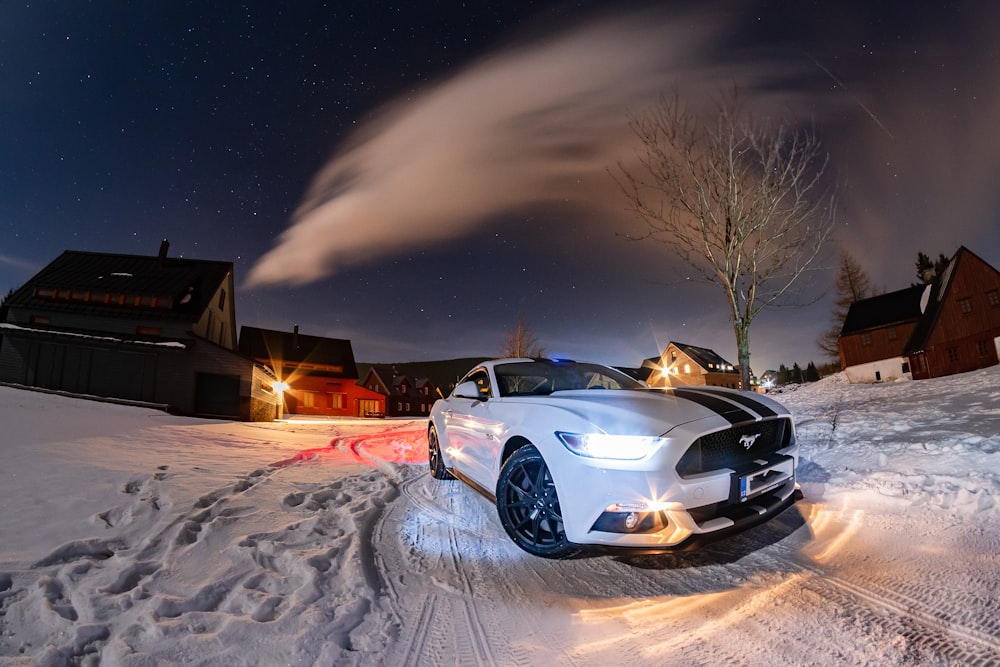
(539, 378)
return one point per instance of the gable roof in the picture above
(884, 310)
(704, 357)
(936, 293)
(292, 347)
(392, 380)
(183, 288)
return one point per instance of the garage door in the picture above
(217, 395)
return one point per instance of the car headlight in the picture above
(605, 446)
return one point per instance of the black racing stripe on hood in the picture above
(731, 413)
(743, 399)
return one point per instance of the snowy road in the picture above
(129, 537)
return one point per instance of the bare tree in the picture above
(852, 285)
(521, 342)
(740, 201)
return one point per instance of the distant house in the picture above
(875, 333)
(405, 396)
(951, 325)
(682, 365)
(149, 329)
(320, 373)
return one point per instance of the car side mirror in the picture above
(469, 390)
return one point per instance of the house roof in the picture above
(884, 310)
(393, 380)
(291, 347)
(183, 287)
(704, 357)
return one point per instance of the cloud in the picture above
(534, 125)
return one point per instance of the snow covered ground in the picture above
(132, 537)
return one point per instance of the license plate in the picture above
(760, 482)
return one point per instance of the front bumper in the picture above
(659, 510)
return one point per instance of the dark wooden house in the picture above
(951, 325)
(405, 396)
(875, 333)
(682, 364)
(318, 375)
(151, 329)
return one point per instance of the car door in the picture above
(473, 431)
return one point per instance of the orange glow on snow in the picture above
(402, 446)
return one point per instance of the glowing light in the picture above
(607, 446)
(280, 386)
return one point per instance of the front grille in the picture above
(724, 449)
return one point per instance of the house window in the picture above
(308, 399)
(953, 354)
(906, 366)
(399, 406)
(46, 292)
(39, 319)
(222, 299)
(890, 333)
(337, 401)
(79, 296)
(866, 339)
(687, 369)
(993, 297)
(965, 305)
(982, 348)
(148, 331)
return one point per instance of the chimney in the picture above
(164, 246)
(295, 337)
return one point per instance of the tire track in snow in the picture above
(449, 625)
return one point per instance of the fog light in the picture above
(631, 520)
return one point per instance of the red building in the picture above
(319, 374)
(951, 325)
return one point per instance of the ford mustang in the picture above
(579, 456)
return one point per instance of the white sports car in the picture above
(581, 455)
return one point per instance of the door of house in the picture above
(996, 343)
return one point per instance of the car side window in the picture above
(482, 380)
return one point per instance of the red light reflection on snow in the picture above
(392, 446)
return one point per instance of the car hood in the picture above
(647, 412)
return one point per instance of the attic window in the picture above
(965, 305)
(993, 297)
(46, 292)
(866, 339)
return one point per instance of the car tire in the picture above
(438, 471)
(529, 506)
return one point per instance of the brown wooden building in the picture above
(405, 396)
(951, 325)
(145, 329)
(682, 364)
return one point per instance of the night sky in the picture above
(415, 176)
